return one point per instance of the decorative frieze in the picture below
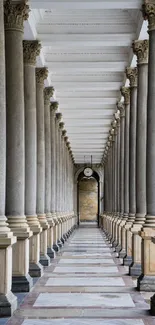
(141, 49)
(31, 49)
(15, 15)
(41, 75)
(148, 10)
(125, 91)
(132, 74)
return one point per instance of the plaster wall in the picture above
(88, 199)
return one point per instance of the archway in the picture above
(88, 198)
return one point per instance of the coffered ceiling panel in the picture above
(86, 46)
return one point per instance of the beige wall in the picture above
(88, 199)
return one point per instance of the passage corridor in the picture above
(85, 284)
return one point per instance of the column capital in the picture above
(148, 10)
(54, 106)
(61, 125)
(41, 75)
(15, 15)
(31, 49)
(58, 117)
(121, 108)
(66, 139)
(48, 93)
(141, 49)
(132, 74)
(125, 91)
(64, 132)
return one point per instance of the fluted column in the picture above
(15, 15)
(48, 93)
(132, 76)
(8, 301)
(147, 279)
(53, 107)
(140, 48)
(126, 94)
(57, 243)
(41, 75)
(122, 245)
(31, 50)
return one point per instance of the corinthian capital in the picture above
(58, 117)
(31, 49)
(125, 91)
(54, 106)
(121, 108)
(15, 14)
(148, 10)
(141, 49)
(48, 93)
(131, 74)
(41, 75)
(61, 125)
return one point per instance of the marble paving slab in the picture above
(84, 300)
(85, 269)
(92, 249)
(78, 254)
(86, 261)
(76, 282)
(81, 321)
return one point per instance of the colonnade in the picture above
(129, 216)
(36, 162)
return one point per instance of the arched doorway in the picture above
(88, 194)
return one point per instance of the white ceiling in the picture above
(86, 47)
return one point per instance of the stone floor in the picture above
(85, 284)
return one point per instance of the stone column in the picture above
(56, 229)
(53, 107)
(146, 281)
(8, 301)
(121, 247)
(31, 50)
(126, 94)
(140, 48)
(61, 125)
(14, 15)
(132, 76)
(48, 93)
(41, 75)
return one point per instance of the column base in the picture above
(146, 283)
(36, 270)
(135, 269)
(63, 239)
(127, 261)
(118, 249)
(22, 283)
(114, 244)
(59, 243)
(56, 247)
(8, 304)
(44, 260)
(50, 252)
(152, 305)
(122, 253)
